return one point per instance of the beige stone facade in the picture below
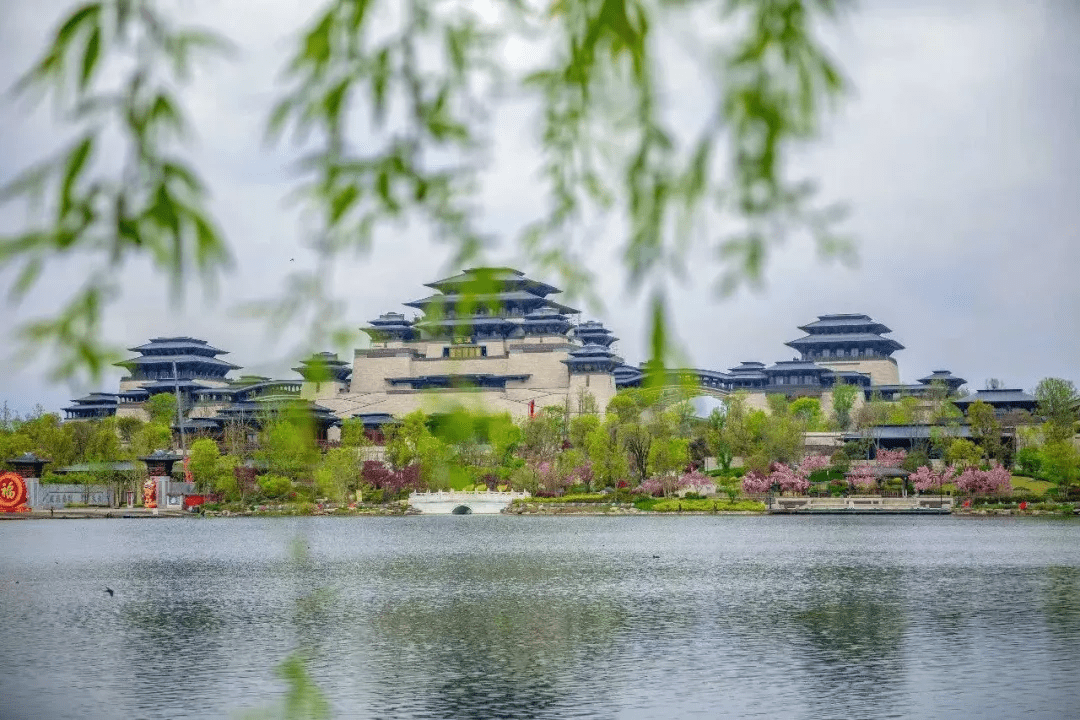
(540, 378)
(882, 371)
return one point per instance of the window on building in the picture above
(465, 352)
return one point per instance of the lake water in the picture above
(542, 617)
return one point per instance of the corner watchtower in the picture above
(850, 342)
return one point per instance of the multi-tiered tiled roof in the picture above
(194, 360)
(324, 367)
(487, 302)
(844, 336)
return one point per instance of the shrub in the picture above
(645, 502)
(274, 486)
(704, 505)
(576, 498)
(1029, 462)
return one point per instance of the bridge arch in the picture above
(461, 510)
(678, 381)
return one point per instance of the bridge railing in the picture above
(436, 495)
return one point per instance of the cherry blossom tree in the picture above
(926, 479)
(652, 486)
(985, 482)
(693, 480)
(891, 458)
(789, 479)
(812, 463)
(755, 483)
(862, 476)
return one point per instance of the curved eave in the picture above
(146, 360)
(833, 340)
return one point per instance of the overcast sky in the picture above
(958, 154)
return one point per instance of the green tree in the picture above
(784, 439)
(667, 459)
(808, 410)
(227, 483)
(542, 435)
(338, 475)
(152, 436)
(716, 441)
(580, 429)
(161, 408)
(962, 452)
(608, 457)
(738, 431)
(49, 438)
(873, 413)
(607, 139)
(405, 440)
(1058, 406)
(843, 400)
(986, 430)
(1061, 463)
(352, 433)
(904, 411)
(636, 441)
(275, 486)
(204, 463)
(129, 428)
(287, 444)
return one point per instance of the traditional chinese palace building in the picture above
(497, 340)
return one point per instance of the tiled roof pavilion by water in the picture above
(493, 339)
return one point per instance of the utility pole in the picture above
(179, 416)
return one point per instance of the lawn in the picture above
(1030, 485)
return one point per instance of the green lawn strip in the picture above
(1030, 485)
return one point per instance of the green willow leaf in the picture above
(76, 162)
(317, 42)
(90, 57)
(26, 279)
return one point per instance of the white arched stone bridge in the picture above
(457, 502)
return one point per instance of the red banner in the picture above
(12, 493)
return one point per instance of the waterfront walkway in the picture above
(94, 513)
(862, 505)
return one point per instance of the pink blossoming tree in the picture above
(926, 480)
(788, 478)
(862, 476)
(985, 482)
(754, 483)
(891, 458)
(652, 486)
(813, 463)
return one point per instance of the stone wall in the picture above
(882, 371)
(549, 382)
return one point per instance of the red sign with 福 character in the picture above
(12, 493)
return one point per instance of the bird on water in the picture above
(109, 590)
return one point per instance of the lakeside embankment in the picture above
(545, 506)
